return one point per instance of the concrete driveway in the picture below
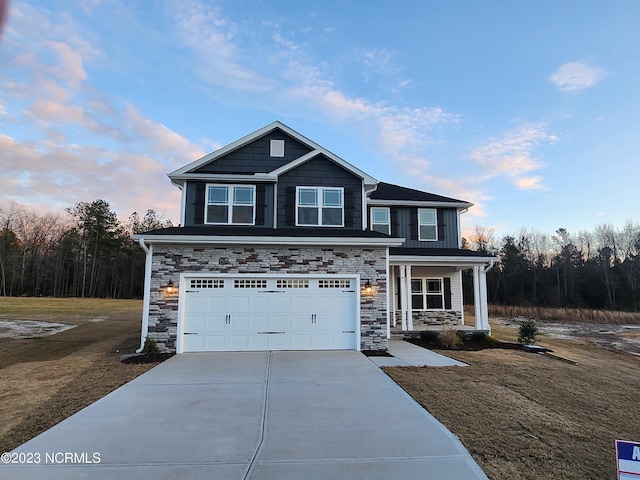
(262, 415)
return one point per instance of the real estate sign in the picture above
(628, 458)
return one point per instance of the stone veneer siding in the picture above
(169, 261)
(433, 317)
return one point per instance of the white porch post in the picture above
(391, 278)
(477, 303)
(403, 296)
(484, 310)
(408, 293)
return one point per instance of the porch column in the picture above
(476, 297)
(408, 293)
(391, 278)
(403, 296)
(484, 311)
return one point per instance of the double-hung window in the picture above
(427, 294)
(380, 220)
(320, 206)
(427, 224)
(230, 204)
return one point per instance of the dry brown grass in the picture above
(45, 380)
(567, 315)
(534, 417)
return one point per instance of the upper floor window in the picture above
(320, 206)
(380, 220)
(427, 224)
(230, 204)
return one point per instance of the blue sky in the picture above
(530, 110)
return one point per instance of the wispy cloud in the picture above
(511, 155)
(64, 141)
(576, 76)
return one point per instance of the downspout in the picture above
(148, 250)
(484, 293)
(460, 212)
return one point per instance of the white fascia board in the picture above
(252, 240)
(440, 260)
(227, 148)
(222, 177)
(416, 203)
(368, 179)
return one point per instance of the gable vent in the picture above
(277, 148)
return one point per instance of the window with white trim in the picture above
(427, 224)
(381, 220)
(427, 294)
(230, 204)
(320, 206)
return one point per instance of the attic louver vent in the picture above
(277, 148)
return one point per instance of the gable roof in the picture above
(188, 171)
(387, 193)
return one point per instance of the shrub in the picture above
(489, 340)
(150, 349)
(462, 336)
(429, 336)
(449, 339)
(528, 332)
(479, 337)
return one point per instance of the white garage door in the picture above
(260, 313)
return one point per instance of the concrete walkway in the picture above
(262, 415)
(407, 354)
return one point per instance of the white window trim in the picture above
(229, 203)
(429, 224)
(388, 217)
(425, 294)
(319, 207)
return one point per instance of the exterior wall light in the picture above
(169, 289)
(368, 288)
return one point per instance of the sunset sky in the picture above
(530, 110)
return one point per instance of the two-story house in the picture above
(283, 245)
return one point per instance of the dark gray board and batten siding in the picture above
(255, 157)
(196, 200)
(320, 172)
(404, 223)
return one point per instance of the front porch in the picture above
(426, 292)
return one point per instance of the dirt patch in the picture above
(619, 337)
(528, 416)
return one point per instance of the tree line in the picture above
(86, 252)
(597, 269)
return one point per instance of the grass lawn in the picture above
(529, 416)
(46, 379)
(521, 415)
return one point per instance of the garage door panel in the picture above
(282, 302)
(302, 303)
(260, 302)
(259, 342)
(216, 303)
(281, 340)
(240, 302)
(283, 321)
(301, 322)
(213, 322)
(238, 341)
(302, 341)
(259, 321)
(214, 342)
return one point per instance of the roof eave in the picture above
(418, 203)
(269, 240)
(440, 260)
